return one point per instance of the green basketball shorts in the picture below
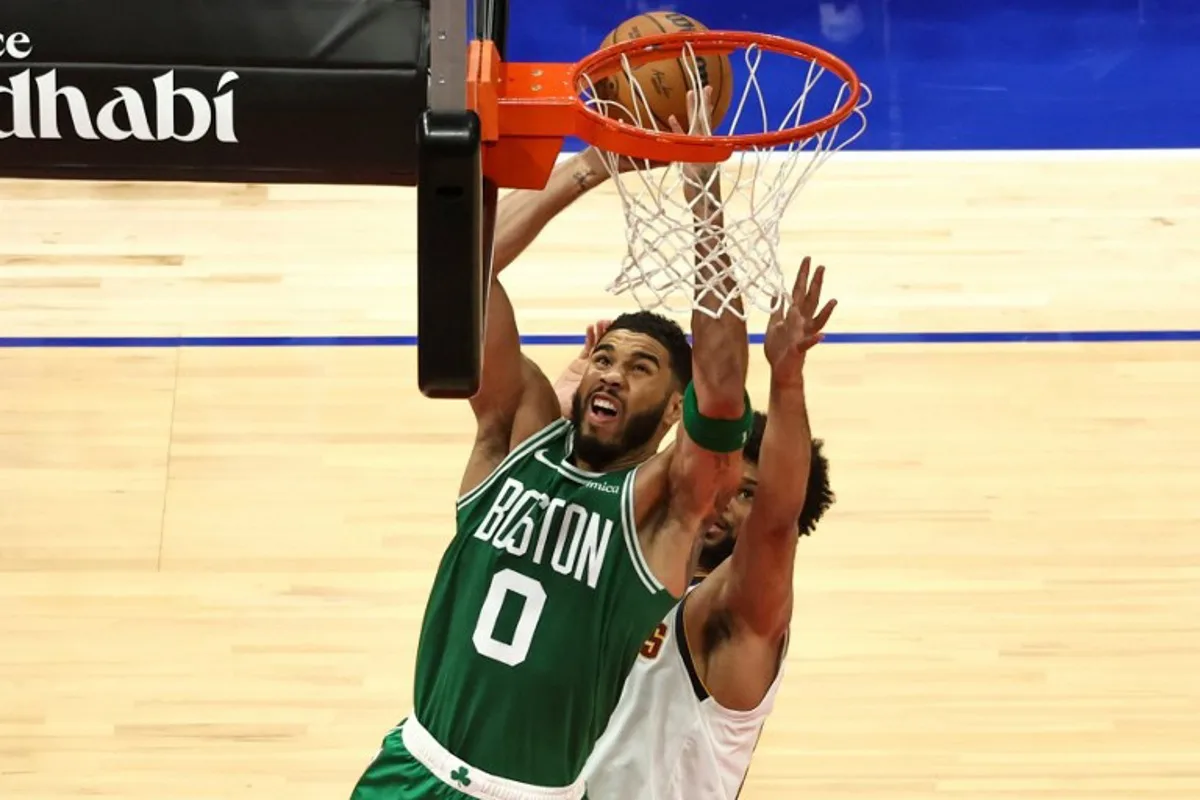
(412, 765)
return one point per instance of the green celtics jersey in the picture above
(536, 615)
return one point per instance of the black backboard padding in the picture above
(453, 204)
(271, 33)
(327, 92)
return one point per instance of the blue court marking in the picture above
(948, 337)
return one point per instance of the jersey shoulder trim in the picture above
(757, 713)
(764, 706)
(632, 543)
(685, 654)
(539, 439)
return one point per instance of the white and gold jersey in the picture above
(668, 739)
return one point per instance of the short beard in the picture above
(713, 555)
(639, 430)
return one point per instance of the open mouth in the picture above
(718, 529)
(603, 408)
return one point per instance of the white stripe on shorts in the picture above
(473, 781)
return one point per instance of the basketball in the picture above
(665, 83)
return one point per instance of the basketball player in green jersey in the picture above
(574, 537)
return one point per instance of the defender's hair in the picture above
(819, 496)
(664, 331)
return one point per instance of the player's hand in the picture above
(568, 381)
(595, 332)
(796, 327)
(700, 114)
(700, 117)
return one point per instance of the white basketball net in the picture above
(668, 211)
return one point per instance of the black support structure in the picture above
(451, 254)
(453, 195)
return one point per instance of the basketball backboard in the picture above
(270, 91)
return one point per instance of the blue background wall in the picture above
(956, 74)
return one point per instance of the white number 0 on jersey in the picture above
(484, 638)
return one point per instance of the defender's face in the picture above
(628, 388)
(722, 534)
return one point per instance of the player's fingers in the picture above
(813, 297)
(809, 342)
(674, 124)
(699, 110)
(801, 284)
(706, 108)
(823, 317)
(694, 115)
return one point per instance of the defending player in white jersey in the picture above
(694, 705)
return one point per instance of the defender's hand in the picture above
(795, 328)
(595, 332)
(568, 381)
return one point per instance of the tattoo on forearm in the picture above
(583, 179)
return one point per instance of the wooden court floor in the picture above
(213, 560)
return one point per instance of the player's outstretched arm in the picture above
(524, 213)
(704, 465)
(515, 399)
(758, 591)
(737, 617)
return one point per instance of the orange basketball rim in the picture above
(527, 109)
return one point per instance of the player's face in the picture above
(627, 398)
(720, 537)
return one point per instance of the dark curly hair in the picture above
(667, 333)
(819, 496)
